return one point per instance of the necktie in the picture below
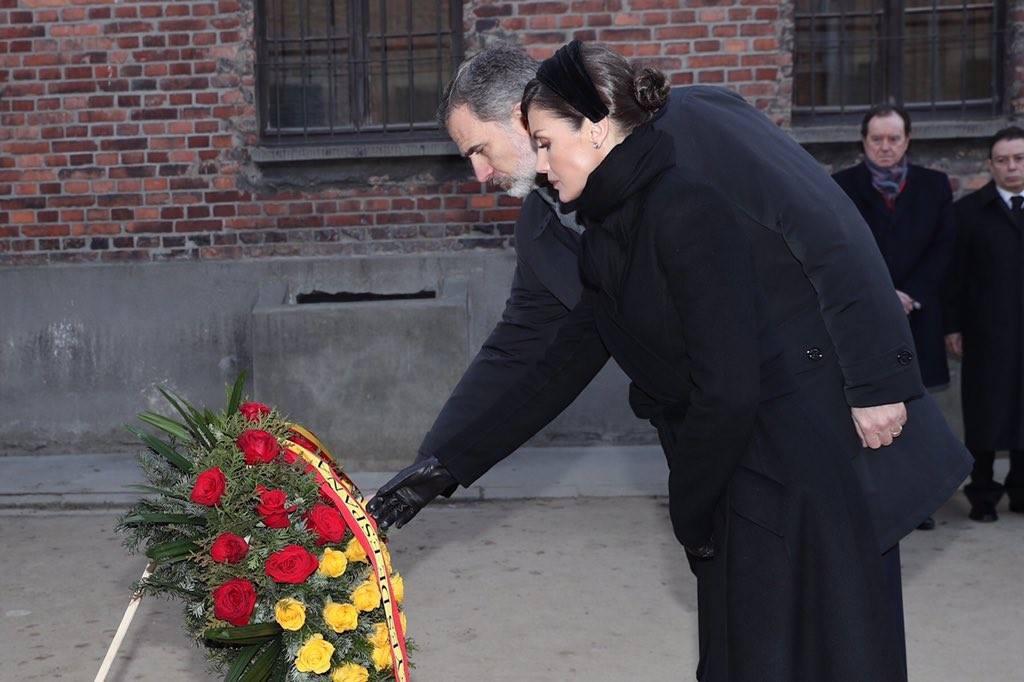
(1017, 209)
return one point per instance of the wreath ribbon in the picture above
(342, 492)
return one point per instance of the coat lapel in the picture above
(905, 200)
(992, 195)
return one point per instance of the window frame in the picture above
(360, 140)
(889, 48)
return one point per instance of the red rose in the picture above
(293, 564)
(209, 487)
(272, 509)
(327, 523)
(253, 412)
(258, 446)
(229, 548)
(289, 456)
(234, 601)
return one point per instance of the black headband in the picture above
(564, 74)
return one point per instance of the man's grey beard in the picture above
(518, 187)
(524, 179)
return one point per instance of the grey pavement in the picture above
(570, 586)
(96, 481)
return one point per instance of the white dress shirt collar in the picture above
(1006, 196)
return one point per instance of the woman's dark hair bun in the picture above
(651, 89)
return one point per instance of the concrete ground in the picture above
(565, 588)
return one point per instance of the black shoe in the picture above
(983, 496)
(927, 524)
(983, 514)
(1017, 507)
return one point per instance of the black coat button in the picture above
(904, 357)
(814, 354)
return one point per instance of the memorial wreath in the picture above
(251, 522)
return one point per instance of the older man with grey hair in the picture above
(480, 110)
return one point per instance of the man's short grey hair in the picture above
(490, 83)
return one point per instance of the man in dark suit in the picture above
(909, 209)
(985, 323)
(481, 112)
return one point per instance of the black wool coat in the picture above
(677, 294)
(740, 290)
(832, 296)
(985, 303)
(916, 241)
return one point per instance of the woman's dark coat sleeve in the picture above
(708, 264)
(530, 394)
(864, 319)
(778, 184)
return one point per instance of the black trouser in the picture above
(984, 460)
(984, 490)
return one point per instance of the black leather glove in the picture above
(410, 490)
(704, 551)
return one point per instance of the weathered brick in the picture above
(136, 118)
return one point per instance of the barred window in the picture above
(939, 56)
(354, 70)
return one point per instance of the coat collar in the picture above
(628, 168)
(989, 194)
(565, 214)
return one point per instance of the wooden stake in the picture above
(122, 629)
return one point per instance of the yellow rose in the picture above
(380, 636)
(366, 597)
(354, 552)
(397, 588)
(315, 655)
(341, 617)
(381, 657)
(405, 627)
(350, 672)
(290, 613)
(333, 563)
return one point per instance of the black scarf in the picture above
(611, 202)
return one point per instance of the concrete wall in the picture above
(83, 348)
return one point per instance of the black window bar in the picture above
(942, 58)
(354, 70)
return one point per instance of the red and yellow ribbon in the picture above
(342, 492)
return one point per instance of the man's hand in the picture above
(908, 302)
(955, 344)
(410, 490)
(879, 425)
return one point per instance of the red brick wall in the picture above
(738, 43)
(125, 127)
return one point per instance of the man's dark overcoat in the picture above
(749, 385)
(916, 240)
(985, 303)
